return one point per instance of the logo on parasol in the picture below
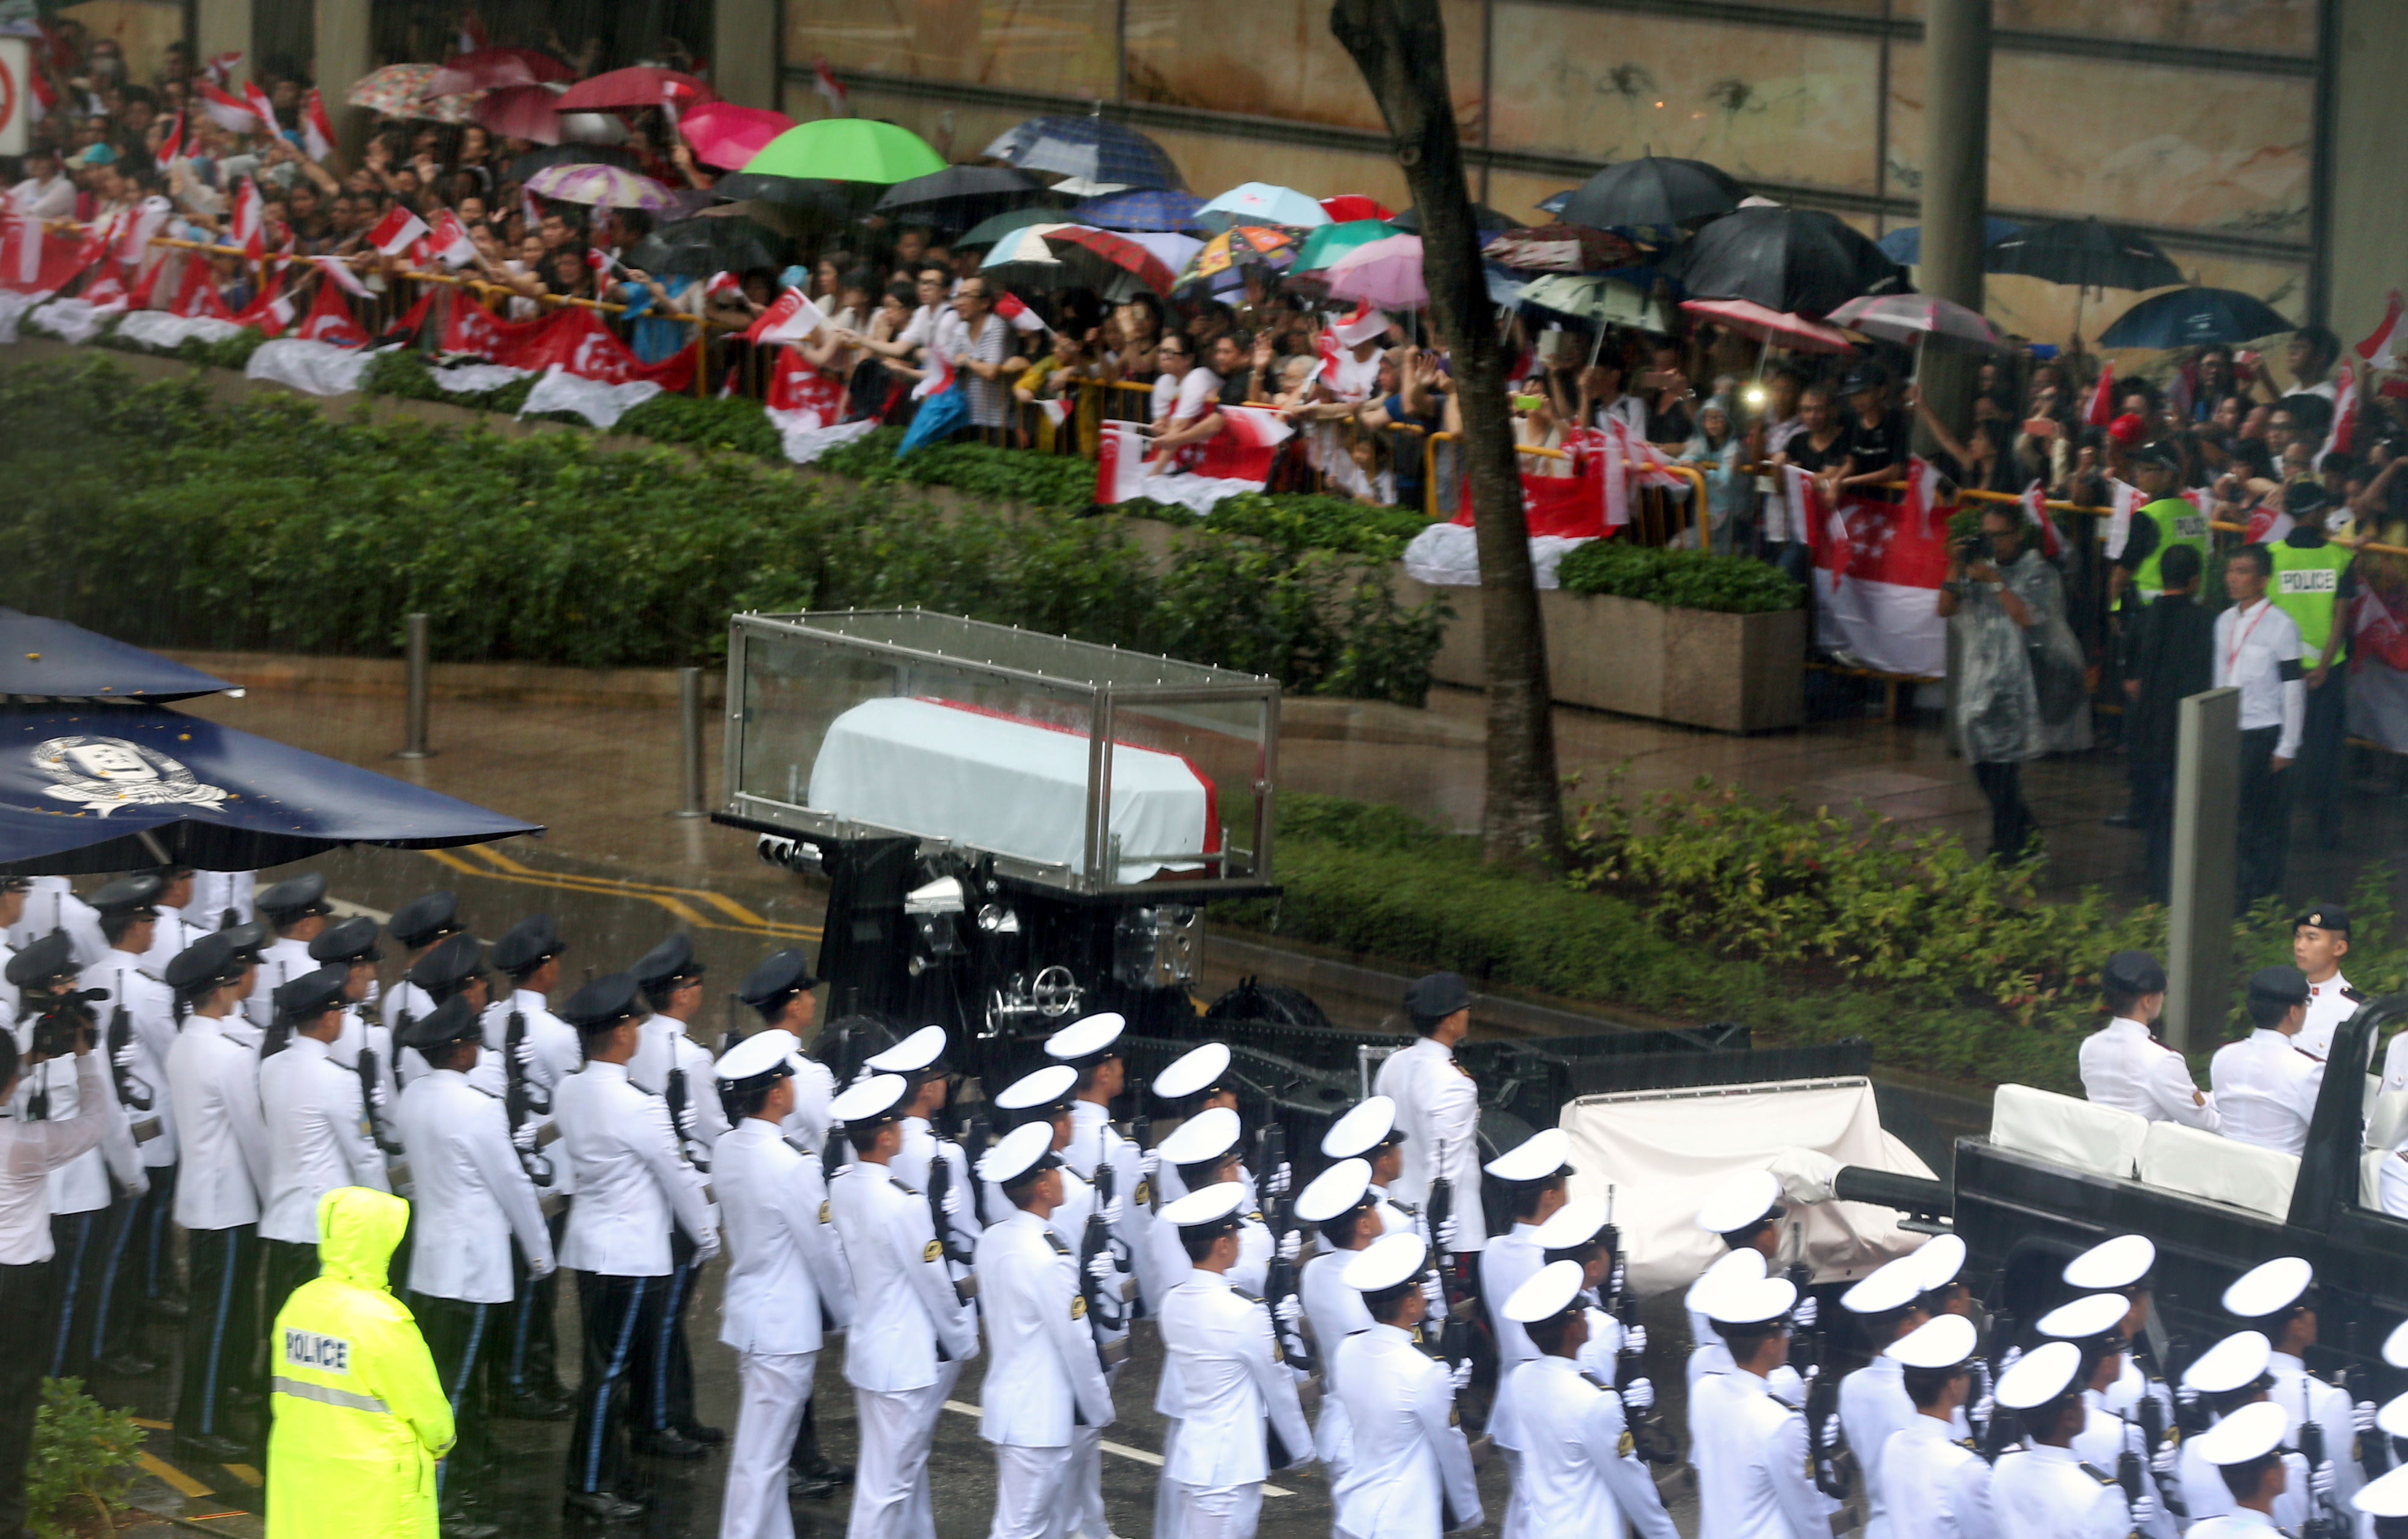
(108, 773)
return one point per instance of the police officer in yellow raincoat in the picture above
(359, 1416)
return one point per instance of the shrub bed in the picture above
(1681, 579)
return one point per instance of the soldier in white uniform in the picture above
(129, 922)
(1746, 1210)
(1045, 1383)
(2266, 1084)
(1340, 1203)
(1531, 1176)
(784, 1269)
(1196, 1081)
(50, 904)
(2246, 1450)
(2320, 939)
(416, 927)
(214, 1082)
(632, 1179)
(1111, 1166)
(2122, 1265)
(2042, 1489)
(920, 1059)
(2094, 1323)
(1887, 1303)
(1439, 1107)
(1579, 1233)
(1408, 1473)
(1368, 1132)
(1203, 1152)
(363, 1048)
(295, 910)
(175, 929)
(2278, 1300)
(1749, 1445)
(453, 965)
(1231, 1379)
(2226, 1378)
(317, 1132)
(1933, 1485)
(2124, 1065)
(1577, 1476)
(910, 1331)
(472, 1187)
(220, 900)
(2384, 1499)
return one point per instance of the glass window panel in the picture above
(1276, 58)
(1062, 47)
(2257, 26)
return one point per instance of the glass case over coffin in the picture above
(1080, 767)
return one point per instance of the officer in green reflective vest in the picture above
(2311, 578)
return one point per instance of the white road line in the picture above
(1121, 1449)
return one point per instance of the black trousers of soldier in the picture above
(221, 1332)
(623, 1329)
(668, 1397)
(24, 1295)
(2323, 748)
(286, 1264)
(79, 1245)
(153, 1255)
(2265, 834)
(115, 1328)
(466, 1341)
(533, 1365)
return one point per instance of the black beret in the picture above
(665, 963)
(51, 957)
(2283, 985)
(2134, 973)
(16, 884)
(133, 894)
(2163, 455)
(602, 1004)
(424, 919)
(2306, 496)
(247, 937)
(352, 939)
(313, 994)
(526, 944)
(453, 1021)
(455, 960)
(2331, 915)
(785, 973)
(210, 961)
(294, 898)
(1437, 996)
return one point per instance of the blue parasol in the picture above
(40, 656)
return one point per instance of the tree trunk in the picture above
(1401, 47)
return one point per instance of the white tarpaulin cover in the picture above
(475, 379)
(75, 320)
(995, 782)
(1664, 1151)
(14, 307)
(1447, 555)
(597, 403)
(805, 435)
(321, 368)
(167, 333)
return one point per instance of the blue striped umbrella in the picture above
(1141, 208)
(1094, 148)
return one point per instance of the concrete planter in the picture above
(1729, 672)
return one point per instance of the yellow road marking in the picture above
(245, 1474)
(503, 869)
(183, 1485)
(720, 901)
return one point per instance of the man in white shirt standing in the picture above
(2266, 1083)
(2258, 653)
(317, 1131)
(1438, 1105)
(2124, 1065)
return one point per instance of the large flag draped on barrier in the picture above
(1236, 460)
(1878, 568)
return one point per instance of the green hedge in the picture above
(146, 513)
(1683, 580)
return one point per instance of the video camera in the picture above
(66, 1022)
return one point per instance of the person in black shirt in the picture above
(1876, 439)
(2168, 654)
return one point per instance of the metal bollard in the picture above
(690, 743)
(413, 730)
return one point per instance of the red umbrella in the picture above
(1782, 329)
(1119, 250)
(726, 136)
(1347, 207)
(521, 112)
(645, 85)
(489, 68)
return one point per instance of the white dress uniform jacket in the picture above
(28, 1151)
(2328, 1011)
(1511, 1258)
(214, 1080)
(630, 1177)
(784, 1266)
(2125, 1067)
(552, 1052)
(905, 1309)
(1094, 1141)
(2302, 1397)
(317, 1138)
(50, 904)
(215, 892)
(1934, 1486)
(1439, 1107)
(170, 933)
(2207, 1496)
(82, 1184)
(150, 1010)
(1171, 1266)
(471, 1189)
(2266, 1090)
(361, 1033)
(1042, 1375)
(1410, 1474)
(1335, 1311)
(2240, 1523)
(1874, 1404)
(2101, 1444)
(665, 1047)
(280, 963)
(1578, 1477)
(922, 1148)
(2039, 1491)
(1231, 1379)
(1750, 1450)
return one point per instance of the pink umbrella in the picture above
(640, 85)
(1781, 328)
(521, 112)
(1383, 273)
(726, 136)
(1914, 318)
(489, 69)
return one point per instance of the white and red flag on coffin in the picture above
(317, 129)
(2034, 504)
(249, 223)
(396, 232)
(2102, 409)
(449, 241)
(1008, 304)
(939, 380)
(330, 320)
(790, 318)
(2377, 347)
(229, 111)
(1885, 567)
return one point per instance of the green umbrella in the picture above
(1329, 242)
(1606, 301)
(846, 149)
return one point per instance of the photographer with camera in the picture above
(51, 1013)
(30, 1150)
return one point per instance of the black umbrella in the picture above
(544, 155)
(701, 247)
(112, 786)
(2191, 318)
(1791, 259)
(827, 197)
(961, 195)
(1488, 221)
(2086, 252)
(1653, 191)
(40, 656)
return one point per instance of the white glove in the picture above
(2321, 1480)
(1804, 1315)
(1984, 1410)
(1288, 1310)
(2016, 1355)
(1613, 1284)
(141, 1186)
(124, 1057)
(1149, 1164)
(1291, 1245)
(1831, 1431)
(1280, 1180)
(1640, 1394)
(2165, 1461)
(2145, 1511)
(707, 1252)
(1635, 1340)
(1113, 1212)
(1435, 1292)
(522, 1138)
(543, 1268)
(952, 1201)
(1100, 1267)
(1446, 1233)
(2185, 1394)
(2364, 1413)
(1460, 1377)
